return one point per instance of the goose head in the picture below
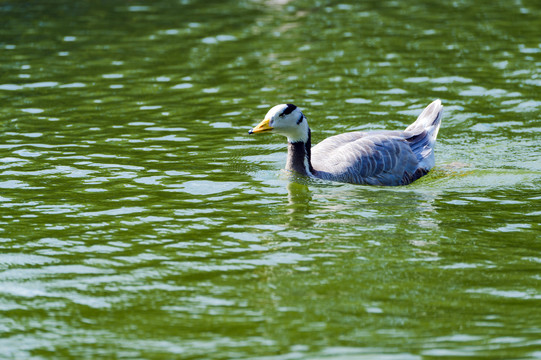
(287, 120)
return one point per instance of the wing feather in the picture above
(377, 158)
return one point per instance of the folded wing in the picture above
(374, 158)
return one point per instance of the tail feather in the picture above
(424, 132)
(429, 120)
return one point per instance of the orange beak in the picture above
(261, 127)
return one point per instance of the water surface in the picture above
(139, 220)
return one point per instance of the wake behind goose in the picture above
(375, 157)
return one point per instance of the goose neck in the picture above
(299, 156)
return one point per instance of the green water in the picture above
(138, 220)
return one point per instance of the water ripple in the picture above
(113, 212)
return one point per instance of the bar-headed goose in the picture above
(375, 157)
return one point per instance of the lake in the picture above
(139, 220)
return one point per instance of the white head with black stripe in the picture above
(287, 120)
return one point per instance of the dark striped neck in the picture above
(299, 156)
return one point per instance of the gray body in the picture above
(374, 158)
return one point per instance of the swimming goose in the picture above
(375, 157)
